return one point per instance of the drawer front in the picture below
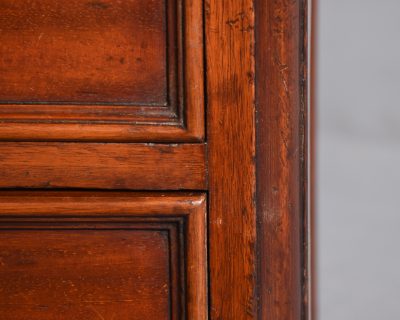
(101, 70)
(102, 255)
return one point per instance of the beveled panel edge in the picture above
(84, 203)
(181, 123)
(87, 132)
(173, 23)
(117, 207)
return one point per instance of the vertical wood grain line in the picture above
(281, 157)
(231, 138)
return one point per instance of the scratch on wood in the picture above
(98, 5)
(97, 312)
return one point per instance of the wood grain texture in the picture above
(118, 245)
(281, 158)
(102, 70)
(84, 274)
(231, 138)
(253, 165)
(85, 52)
(106, 166)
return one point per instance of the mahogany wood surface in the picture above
(107, 105)
(82, 274)
(66, 52)
(102, 255)
(231, 138)
(101, 70)
(103, 166)
(257, 134)
(282, 108)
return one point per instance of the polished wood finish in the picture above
(106, 166)
(282, 181)
(102, 70)
(101, 96)
(92, 255)
(231, 138)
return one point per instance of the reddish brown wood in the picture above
(84, 274)
(272, 153)
(106, 166)
(85, 52)
(281, 158)
(115, 132)
(231, 137)
(253, 164)
(102, 70)
(102, 255)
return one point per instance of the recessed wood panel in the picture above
(84, 274)
(85, 255)
(99, 70)
(83, 51)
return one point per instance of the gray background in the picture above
(358, 167)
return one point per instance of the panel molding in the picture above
(180, 119)
(257, 127)
(282, 59)
(182, 215)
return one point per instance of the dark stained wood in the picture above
(101, 70)
(231, 138)
(93, 255)
(106, 166)
(282, 68)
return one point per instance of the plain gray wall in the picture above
(358, 167)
